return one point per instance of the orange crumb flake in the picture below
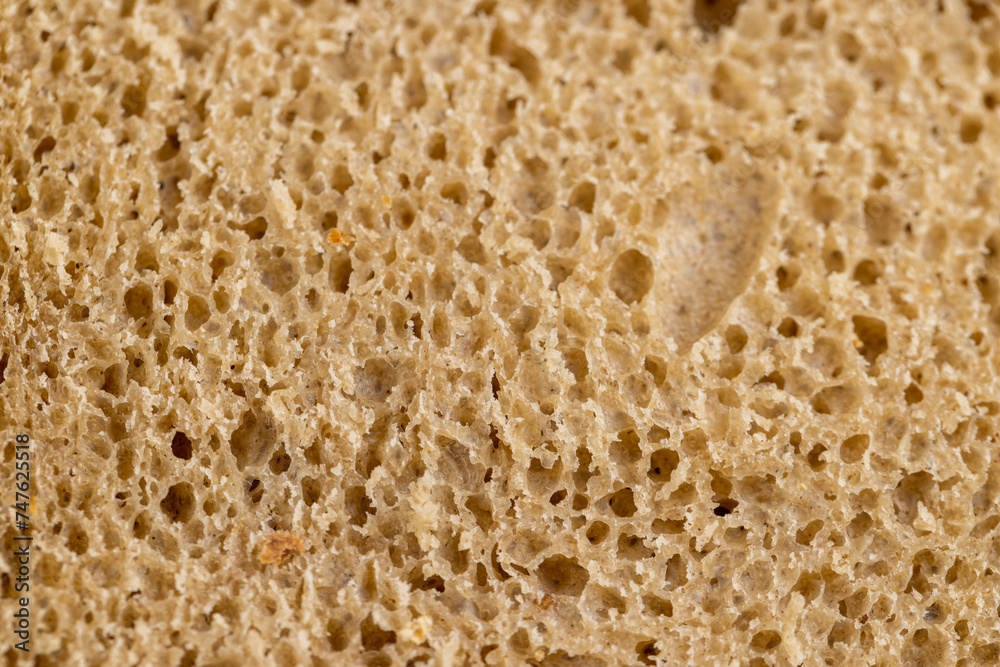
(279, 547)
(336, 237)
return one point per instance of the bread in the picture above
(460, 333)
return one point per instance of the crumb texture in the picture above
(561, 333)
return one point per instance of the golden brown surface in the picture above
(559, 333)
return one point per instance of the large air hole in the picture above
(517, 57)
(806, 535)
(171, 146)
(657, 368)
(662, 464)
(583, 197)
(736, 338)
(970, 130)
(220, 261)
(178, 504)
(626, 450)
(676, 572)
(455, 192)
(437, 147)
(713, 15)
(373, 637)
(622, 503)
(255, 229)
(836, 400)
(913, 394)
(134, 100)
(597, 532)
(872, 334)
(44, 146)
(279, 275)
(913, 491)
(253, 441)
(341, 180)
(77, 540)
(867, 272)
(765, 640)
(139, 302)
(280, 462)
(197, 313)
(312, 490)
(854, 448)
(631, 276)
(340, 273)
(181, 446)
(375, 380)
(359, 505)
(560, 575)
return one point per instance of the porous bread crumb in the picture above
(278, 548)
(568, 332)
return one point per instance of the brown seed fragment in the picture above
(337, 237)
(279, 547)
